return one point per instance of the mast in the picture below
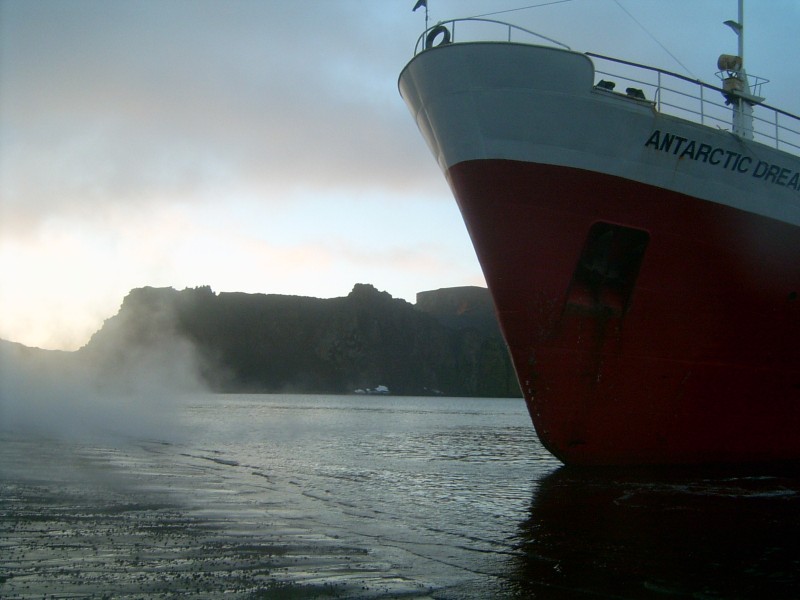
(736, 84)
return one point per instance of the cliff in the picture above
(447, 344)
(468, 307)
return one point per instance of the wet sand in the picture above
(328, 498)
(72, 525)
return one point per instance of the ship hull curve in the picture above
(645, 269)
(701, 363)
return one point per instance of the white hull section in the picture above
(538, 104)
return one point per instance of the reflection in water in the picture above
(327, 496)
(677, 533)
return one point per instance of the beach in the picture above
(285, 496)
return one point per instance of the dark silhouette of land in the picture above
(448, 343)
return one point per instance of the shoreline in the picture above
(73, 525)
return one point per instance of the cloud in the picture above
(105, 104)
(108, 103)
(258, 145)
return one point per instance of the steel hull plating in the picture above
(703, 364)
(648, 294)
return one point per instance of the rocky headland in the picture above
(448, 343)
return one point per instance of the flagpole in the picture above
(425, 4)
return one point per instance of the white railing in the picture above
(697, 101)
(669, 92)
(475, 30)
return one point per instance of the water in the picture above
(279, 496)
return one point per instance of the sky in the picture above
(262, 146)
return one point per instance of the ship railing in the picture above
(694, 100)
(670, 93)
(476, 29)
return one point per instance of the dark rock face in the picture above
(461, 308)
(448, 344)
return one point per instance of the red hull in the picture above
(645, 267)
(698, 362)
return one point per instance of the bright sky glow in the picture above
(262, 146)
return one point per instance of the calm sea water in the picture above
(287, 496)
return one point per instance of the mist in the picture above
(134, 393)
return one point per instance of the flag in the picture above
(420, 3)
